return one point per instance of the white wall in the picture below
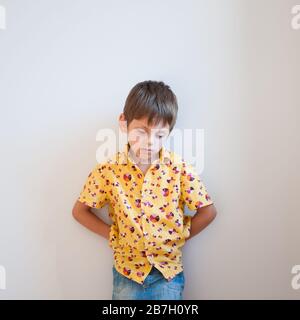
(66, 68)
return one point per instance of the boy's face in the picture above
(146, 141)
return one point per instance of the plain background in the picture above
(66, 68)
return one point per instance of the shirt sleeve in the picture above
(193, 193)
(94, 193)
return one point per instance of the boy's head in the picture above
(148, 117)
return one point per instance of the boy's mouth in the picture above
(147, 150)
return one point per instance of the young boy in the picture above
(146, 187)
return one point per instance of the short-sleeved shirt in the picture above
(149, 226)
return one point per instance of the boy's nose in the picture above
(151, 141)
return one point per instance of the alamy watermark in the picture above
(295, 22)
(295, 283)
(2, 18)
(187, 143)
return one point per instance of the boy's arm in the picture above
(83, 214)
(202, 218)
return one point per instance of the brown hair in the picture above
(153, 99)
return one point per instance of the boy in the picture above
(146, 187)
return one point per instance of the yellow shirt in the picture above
(149, 226)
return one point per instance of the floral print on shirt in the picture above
(149, 226)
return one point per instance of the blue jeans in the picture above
(155, 287)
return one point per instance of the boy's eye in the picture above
(141, 131)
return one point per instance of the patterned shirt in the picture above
(149, 226)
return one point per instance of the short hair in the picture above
(153, 99)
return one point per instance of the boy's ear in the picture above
(122, 123)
